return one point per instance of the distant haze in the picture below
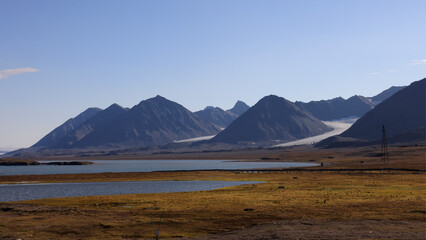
(59, 58)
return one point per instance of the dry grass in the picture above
(346, 196)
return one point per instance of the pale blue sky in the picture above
(94, 53)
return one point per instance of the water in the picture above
(19, 192)
(101, 166)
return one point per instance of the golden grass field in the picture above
(395, 197)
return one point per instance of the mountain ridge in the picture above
(221, 117)
(386, 94)
(99, 120)
(403, 111)
(154, 121)
(271, 118)
(239, 108)
(150, 128)
(62, 130)
(338, 108)
(217, 116)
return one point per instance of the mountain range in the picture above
(159, 121)
(403, 111)
(273, 118)
(338, 108)
(155, 121)
(403, 115)
(98, 121)
(221, 117)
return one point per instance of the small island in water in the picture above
(19, 162)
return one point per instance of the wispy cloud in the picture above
(384, 72)
(16, 71)
(418, 62)
(373, 73)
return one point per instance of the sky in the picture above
(57, 58)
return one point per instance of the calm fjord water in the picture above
(19, 192)
(101, 166)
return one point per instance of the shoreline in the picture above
(176, 175)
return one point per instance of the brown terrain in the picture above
(354, 195)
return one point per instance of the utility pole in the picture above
(156, 227)
(384, 153)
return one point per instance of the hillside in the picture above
(61, 131)
(403, 111)
(239, 108)
(154, 121)
(217, 116)
(385, 94)
(338, 108)
(272, 119)
(100, 120)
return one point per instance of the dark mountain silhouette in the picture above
(272, 118)
(58, 133)
(239, 108)
(415, 135)
(385, 94)
(154, 121)
(220, 117)
(100, 120)
(217, 116)
(158, 121)
(403, 111)
(338, 108)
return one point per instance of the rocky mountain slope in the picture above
(385, 94)
(272, 119)
(338, 108)
(58, 133)
(403, 111)
(221, 117)
(154, 121)
(239, 108)
(98, 121)
(217, 116)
